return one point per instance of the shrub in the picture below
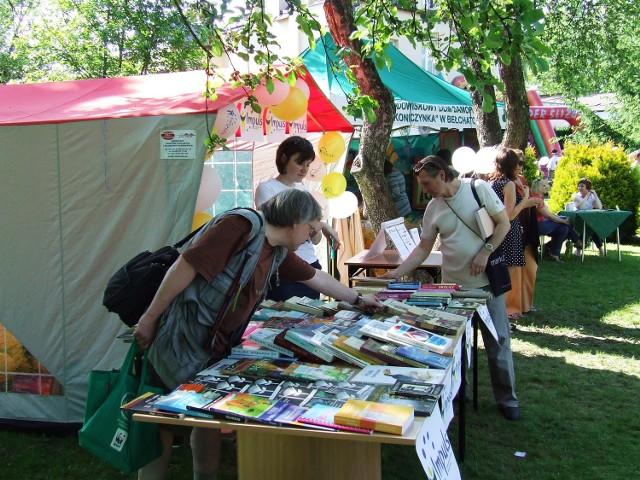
(607, 166)
(530, 171)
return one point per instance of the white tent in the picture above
(94, 171)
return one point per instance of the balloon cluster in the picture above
(465, 160)
(286, 102)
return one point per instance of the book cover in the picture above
(417, 389)
(428, 359)
(327, 342)
(239, 407)
(352, 345)
(442, 326)
(416, 336)
(467, 303)
(381, 417)
(146, 403)
(403, 285)
(266, 336)
(177, 400)
(310, 338)
(249, 348)
(303, 304)
(388, 375)
(377, 329)
(374, 348)
(323, 415)
(391, 350)
(302, 353)
(422, 406)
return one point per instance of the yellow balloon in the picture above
(331, 146)
(333, 185)
(200, 219)
(393, 158)
(293, 107)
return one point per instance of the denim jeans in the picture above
(558, 233)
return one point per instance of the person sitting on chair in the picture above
(552, 225)
(587, 199)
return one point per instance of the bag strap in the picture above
(180, 243)
(475, 193)
(473, 189)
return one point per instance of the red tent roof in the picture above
(139, 96)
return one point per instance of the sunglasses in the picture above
(428, 165)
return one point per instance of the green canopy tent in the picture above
(422, 99)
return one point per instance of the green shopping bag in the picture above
(109, 432)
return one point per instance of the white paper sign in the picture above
(299, 126)
(434, 450)
(485, 316)
(251, 125)
(178, 145)
(276, 128)
(469, 341)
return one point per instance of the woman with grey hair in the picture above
(209, 294)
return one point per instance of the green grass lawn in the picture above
(578, 379)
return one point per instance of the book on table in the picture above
(185, 394)
(410, 335)
(381, 351)
(323, 415)
(266, 336)
(146, 403)
(251, 349)
(388, 375)
(417, 389)
(381, 417)
(422, 406)
(424, 357)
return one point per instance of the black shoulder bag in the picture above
(130, 290)
(497, 270)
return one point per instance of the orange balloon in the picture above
(293, 107)
(200, 219)
(331, 146)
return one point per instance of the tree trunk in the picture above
(515, 104)
(368, 167)
(487, 124)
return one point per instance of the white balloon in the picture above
(210, 188)
(486, 160)
(227, 121)
(343, 206)
(463, 159)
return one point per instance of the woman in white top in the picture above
(293, 157)
(587, 199)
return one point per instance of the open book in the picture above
(398, 234)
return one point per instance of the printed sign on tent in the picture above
(178, 145)
(299, 126)
(251, 125)
(276, 129)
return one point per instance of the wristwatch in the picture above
(488, 246)
(358, 300)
